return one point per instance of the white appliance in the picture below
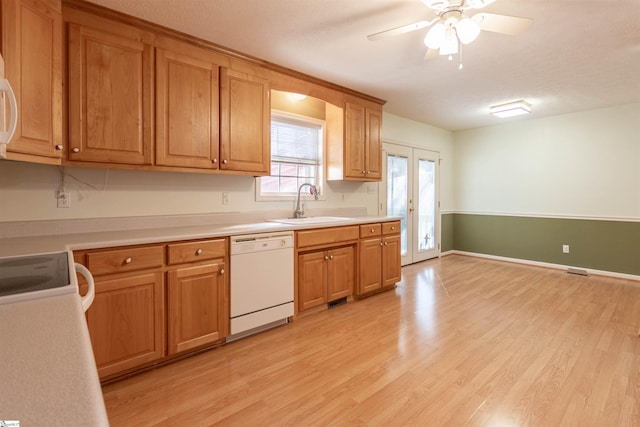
(261, 282)
(42, 275)
(6, 90)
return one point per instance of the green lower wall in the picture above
(601, 245)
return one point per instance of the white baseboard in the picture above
(546, 264)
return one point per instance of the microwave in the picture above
(8, 118)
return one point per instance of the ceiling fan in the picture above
(452, 28)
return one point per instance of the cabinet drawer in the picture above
(179, 253)
(369, 230)
(323, 236)
(391, 227)
(125, 259)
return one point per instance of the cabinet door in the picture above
(354, 141)
(391, 264)
(374, 145)
(110, 97)
(125, 322)
(196, 306)
(245, 126)
(312, 279)
(340, 273)
(32, 50)
(186, 111)
(370, 270)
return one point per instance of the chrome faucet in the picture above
(299, 212)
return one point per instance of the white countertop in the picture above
(17, 246)
(47, 370)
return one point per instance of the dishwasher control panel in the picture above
(260, 242)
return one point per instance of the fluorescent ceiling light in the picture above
(511, 109)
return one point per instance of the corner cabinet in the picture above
(354, 142)
(110, 80)
(245, 123)
(32, 51)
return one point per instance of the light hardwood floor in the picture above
(461, 341)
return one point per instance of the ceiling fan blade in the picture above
(401, 30)
(431, 53)
(511, 25)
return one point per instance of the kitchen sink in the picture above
(310, 220)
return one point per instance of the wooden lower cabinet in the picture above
(196, 302)
(325, 276)
(126, 322)
(380, 262)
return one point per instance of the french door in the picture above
(411, 178)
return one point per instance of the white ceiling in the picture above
(577, 55)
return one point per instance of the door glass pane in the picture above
(397, 182)
(426, 205)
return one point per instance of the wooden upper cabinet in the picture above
(363, 143)
(373, 144)
(245, 114)
(32, 51)
(354, 142)
(110, 97)
(187, 99)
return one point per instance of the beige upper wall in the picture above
(398, 130)
(580, 164)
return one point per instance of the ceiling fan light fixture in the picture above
(435, 36)
(467, 30)
(450, 43)
(511, 109)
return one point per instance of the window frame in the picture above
(321, 176)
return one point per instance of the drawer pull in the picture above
(128, 260)
(199, 251)
(393, 227)
(373, 230)
(222, 271)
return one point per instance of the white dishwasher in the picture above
(261, 282)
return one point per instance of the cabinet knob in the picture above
(393, 228)
(386, 243)
(364, 172)
(199, 251)
(214, 160)
(59, 147)
(373, 230)
(380, 243)
(331, 257)
(128, 260)
(368, 172)
(222, 271)
(224, 161)
(326, 257)
(76, 150)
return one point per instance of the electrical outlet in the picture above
(225, 197)
(64, 199)
(565, 249)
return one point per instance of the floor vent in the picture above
(338, 302)
(578, 271)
